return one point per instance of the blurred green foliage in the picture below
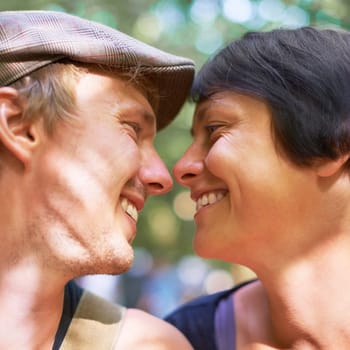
(195, 29)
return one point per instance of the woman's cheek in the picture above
(220, 158)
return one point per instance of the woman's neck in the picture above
(308, 299)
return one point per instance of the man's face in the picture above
(92, 178)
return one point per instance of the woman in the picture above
(269, 171)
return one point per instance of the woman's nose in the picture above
(154, 174)
(188, 167)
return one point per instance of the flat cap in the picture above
(32, 39)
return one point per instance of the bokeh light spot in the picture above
(295, 17)
(148, 28)
(204, 11)
(184, 206)
(218, 280)
(163, 225)
(209, 41)
(237, 10)
(271, 10)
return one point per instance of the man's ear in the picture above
(17, 136)
(328, 167)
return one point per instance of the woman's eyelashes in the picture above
(211, 128)
(213, 131)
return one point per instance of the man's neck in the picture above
(31, 307)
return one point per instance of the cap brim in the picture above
(32, 39)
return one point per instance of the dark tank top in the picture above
(72, 295)
(208, 321)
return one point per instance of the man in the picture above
(80, 104)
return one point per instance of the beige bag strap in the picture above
(96, 324)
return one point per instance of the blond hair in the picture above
(50, 91)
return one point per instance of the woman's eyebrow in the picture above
(198, 117)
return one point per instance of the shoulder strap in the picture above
(196, 319)
(225, 325)
(96, 324)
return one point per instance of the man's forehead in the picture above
(116, 95)
(130, 88)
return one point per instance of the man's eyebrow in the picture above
(147, 116)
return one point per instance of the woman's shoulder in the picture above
(208, 302)
(196, 318)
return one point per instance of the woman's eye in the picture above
(211, 128)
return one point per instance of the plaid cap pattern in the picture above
(32, 39)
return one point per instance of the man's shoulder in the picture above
(96, 322)
(152, 333)
(92, 306)
(106, 325)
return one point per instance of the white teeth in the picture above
(124, 204)
(220, 196)
(209, 198)
(204, 200)
(212, 198)
(129, 208)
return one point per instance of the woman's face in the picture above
(247, 192)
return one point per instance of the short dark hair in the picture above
(302, 74)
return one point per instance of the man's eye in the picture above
(134, 128)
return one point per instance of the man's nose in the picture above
(154, 174)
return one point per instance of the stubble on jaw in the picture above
(62, 249)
